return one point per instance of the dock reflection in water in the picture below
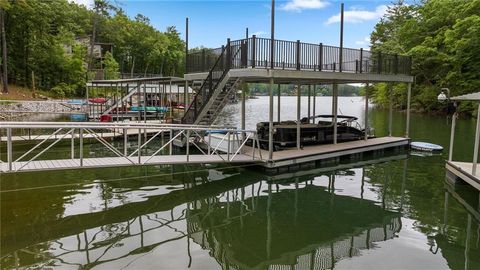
(225, 218)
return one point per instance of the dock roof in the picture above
(468, 97)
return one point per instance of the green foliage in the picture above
(111, 67)
(43, 40)
(63, 90)
(443, 38)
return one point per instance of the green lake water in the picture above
(395, 211)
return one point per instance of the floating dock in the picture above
(466, 171)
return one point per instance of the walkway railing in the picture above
(197, 136)
(296, 55)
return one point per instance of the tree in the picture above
(4, 5)
(443, 39)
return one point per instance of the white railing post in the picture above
(209, 142)
(452, 137)
(228, 147)
(477, 139)
(72, 145)
(81, 147)
(125, 140)
(139, 140)
(9, 148)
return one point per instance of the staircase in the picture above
(215, 90)
(130, 93)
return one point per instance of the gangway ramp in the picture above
(205, 150)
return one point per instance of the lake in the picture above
(392, 212)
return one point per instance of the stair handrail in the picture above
(218, 66)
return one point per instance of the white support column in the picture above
(243, 108)
(452, 136)
(278, 104)
(335, 112)
(314, 101)
(185, 97)
(299, 92)
(477, 138)
(390, 109)
(270, 121)
(409, 97)
(309, 101)
(366, 111)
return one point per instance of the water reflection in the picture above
(234, 218)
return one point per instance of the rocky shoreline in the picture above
(14, 110)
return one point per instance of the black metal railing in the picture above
(295, 55)
(216, 74)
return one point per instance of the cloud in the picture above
(299, 5)
(365, 41)
(359, 16)
(87, 3)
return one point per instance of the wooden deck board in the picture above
(61, 164)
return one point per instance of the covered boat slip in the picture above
(277, 62)
(466, 171)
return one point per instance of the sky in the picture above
(213, 21)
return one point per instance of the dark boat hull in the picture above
(285, 134)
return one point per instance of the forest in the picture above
(443, 38)
(38, 34)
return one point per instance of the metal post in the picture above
(278, 104)
(210, 142)
(314, 101)
(188, 145)
(72, 144)
(81, 147)
(270, 122)
(366, 111)
(9, 148)
(335, 112)
(390, 110)
(186, 45)
(309, 101)
(170, 150)
(409, 97)
(125, 139)
(340, 62)
(171, 99)
(452, 136)
(299, 90)
(185, 97)
(139, 141)
(228, 146)
(477, 138)
(272, 37)
(243, 109)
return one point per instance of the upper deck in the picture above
(295, 61)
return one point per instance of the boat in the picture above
(427, 147)
(149, 109)
(321, 132)
(97, 100)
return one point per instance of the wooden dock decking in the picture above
(463, 170)
(65, 164)
(283, 158)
